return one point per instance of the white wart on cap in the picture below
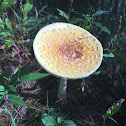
(67, 50)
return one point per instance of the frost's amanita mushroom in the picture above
(67, 51)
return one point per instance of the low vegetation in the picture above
(28, 94)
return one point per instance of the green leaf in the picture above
(17, 69)
(16, 100)
(42, 9)
(87, 27)
(5, 34)
(12, 118)
(1, 97)
(33, 76)
(25, 18)
(97, 13)
(20, 41)
(3, 5)
(97, 72)
(27, 8)
(2, 93)
(1, 23)
(24, 70)
(2, 88)
(44, 115)
(18, 18)
(10, 2)
(63, 14)
(76, 20)
(29, 20)
(12, 89)
(59, 120)
(30, 1)
(5, 74)
(69, 123)
(113, 120)
(51, 110)
(49, 121)
(8, 24)
(111, 55)
(103, 28)
(98, 24)
(85, 23)
(8, 42)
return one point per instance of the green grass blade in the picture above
(12, 118)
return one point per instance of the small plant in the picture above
(112, 110)
(9, 80)
(51, 118)
(15, 30)
(87, 21)
(15, 27)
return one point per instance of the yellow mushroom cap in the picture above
(67, 50)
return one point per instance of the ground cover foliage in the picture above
(28, 94)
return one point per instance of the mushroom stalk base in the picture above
(62, 89)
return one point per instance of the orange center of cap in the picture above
(71, 51)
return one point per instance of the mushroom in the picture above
(67, 51)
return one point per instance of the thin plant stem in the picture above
(120, 74)
(12, 118)
(47, 101)
(70, 8)
(104, 122)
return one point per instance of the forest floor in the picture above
(86, 106)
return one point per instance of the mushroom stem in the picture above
(62, 89)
